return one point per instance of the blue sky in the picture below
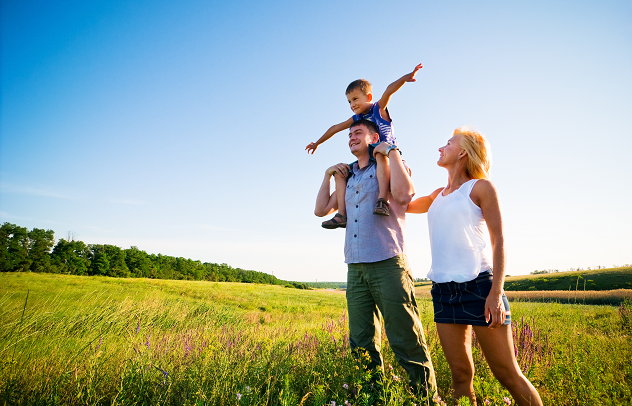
(180, 128)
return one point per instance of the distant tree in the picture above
(71, 257)
(15, 248)
(116, 256)
(101, 262)
(138, 263)
(40, 244)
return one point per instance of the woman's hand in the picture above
(495, 308)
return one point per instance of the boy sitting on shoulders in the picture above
(360, 97)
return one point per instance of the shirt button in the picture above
(357, 192)
(355, 235)
(356, 206)
(356, 220)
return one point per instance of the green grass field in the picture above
(93, 340)
(599, 279)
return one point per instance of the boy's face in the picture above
(359, 102)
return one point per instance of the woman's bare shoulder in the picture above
(434, 194)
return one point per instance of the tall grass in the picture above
(82, 340)
(595, 297)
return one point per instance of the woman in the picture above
(465, 293)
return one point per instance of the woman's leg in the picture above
(497, 345)
(456, 341)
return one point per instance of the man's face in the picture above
(359, 139)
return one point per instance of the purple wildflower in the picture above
(507, 400)
(238, 397)
(138, 327)
(487, 402)
(345, 386)
(100, 342)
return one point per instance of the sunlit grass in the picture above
(93, 340)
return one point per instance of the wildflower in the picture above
(395, 378)
(345, 386)
(347, 403)
(247, 389)
(487, 402)
(390, 367)
(238, 397)
(507, 400)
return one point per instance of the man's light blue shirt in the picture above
(370, 237)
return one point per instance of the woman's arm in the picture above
(422, 204)
(485, 196)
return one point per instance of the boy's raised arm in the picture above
(393, 87)
(328, 134)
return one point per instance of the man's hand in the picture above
(341, 169)
(382, 148)
(411, 76)
(311, 147)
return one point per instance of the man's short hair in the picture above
(370, 125)
(362, 84)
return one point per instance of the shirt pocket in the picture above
(370, 184)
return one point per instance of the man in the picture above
(379, 280)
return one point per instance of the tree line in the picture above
(36, 251)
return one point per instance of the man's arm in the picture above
(327, 203)
(393, 87)
(402, 187)
(336, 128)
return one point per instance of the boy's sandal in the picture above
(381, 207)
(339, 220)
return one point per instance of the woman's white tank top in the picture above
(459, 239)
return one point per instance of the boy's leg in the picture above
(384, 182)
(341, 188)
(340, 219)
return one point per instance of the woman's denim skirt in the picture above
(464, 303)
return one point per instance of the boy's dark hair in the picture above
(362, 84)
(370, 125)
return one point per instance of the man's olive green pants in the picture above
(387, 288)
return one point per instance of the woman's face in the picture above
(449, 153)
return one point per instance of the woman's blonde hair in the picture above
(479, 155)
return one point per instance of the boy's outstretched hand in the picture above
(311, 147)
(411, 76)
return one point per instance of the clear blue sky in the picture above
(180, 127)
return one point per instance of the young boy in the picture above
(360, 97)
